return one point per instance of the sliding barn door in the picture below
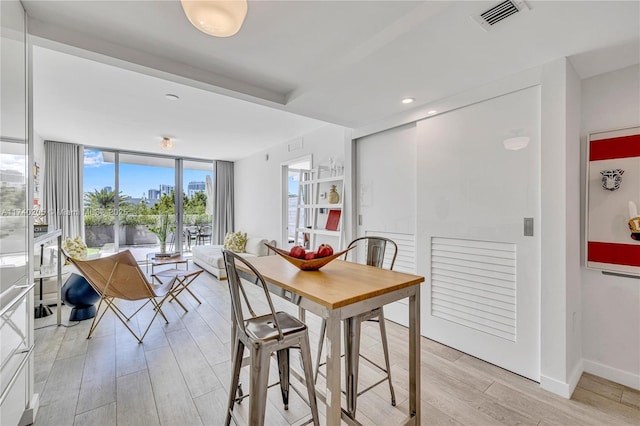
(386, 198)
(478, 230)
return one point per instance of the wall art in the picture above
(613, 194)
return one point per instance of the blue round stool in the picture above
(79, 295)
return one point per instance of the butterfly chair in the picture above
(119, 277)
(375, 250)
(263, 335)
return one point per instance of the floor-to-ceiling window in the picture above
(197, 202)
(99, 188)
(137, 202)
(148, 213)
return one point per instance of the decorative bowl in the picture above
(307, 265)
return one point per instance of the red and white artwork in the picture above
(613, 194)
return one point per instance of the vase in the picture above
(333, 197)
(163, 247)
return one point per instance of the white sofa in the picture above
(210, 259)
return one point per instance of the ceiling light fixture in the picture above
(516, 143)
(408, 100)
(219, 18)
(172, 97)
(166, 143)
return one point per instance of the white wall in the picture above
(573, 209)
(258, 183)
(553, 228)
(610, 304)
(386, 167)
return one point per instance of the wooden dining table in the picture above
(337, 292)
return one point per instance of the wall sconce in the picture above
(219, 18)
(166, 143)
(516, 143)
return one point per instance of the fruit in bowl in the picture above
(297, 251)
(324, 250)
(314, 262)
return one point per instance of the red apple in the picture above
(297, 251)
(310, 255)
(324, 250)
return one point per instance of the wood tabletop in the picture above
(337, 284)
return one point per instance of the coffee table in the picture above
(161, 261)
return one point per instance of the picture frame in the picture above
(612, 201)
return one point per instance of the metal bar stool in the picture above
(263, 335)
(375, 255)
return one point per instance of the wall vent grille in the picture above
(406, 260)
(473, 284)
(499, 12)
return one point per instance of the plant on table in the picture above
(164, 225)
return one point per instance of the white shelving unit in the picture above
(313, 208)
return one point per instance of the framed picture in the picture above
(613, 201)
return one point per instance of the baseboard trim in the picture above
(29, 415)
(610, 373)
(555, 386)
(575, 375)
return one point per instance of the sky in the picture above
(12, 162)
(135, 179)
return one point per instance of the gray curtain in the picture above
(63, 187)
(223, 196)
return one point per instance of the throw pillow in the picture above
(256, 246)
(75, 247)
(235, 241)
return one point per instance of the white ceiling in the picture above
(291, 64)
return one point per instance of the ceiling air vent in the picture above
(497, 13)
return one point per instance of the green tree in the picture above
(105, 198)
(196, 204)
(12, 197)
(165, 204)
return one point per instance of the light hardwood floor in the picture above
(180, 374)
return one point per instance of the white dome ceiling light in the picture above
(516, 143)
(166, 143)
(219, 18)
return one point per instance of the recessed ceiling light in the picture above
(433, 111)
(172, 97)
(408, 100)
